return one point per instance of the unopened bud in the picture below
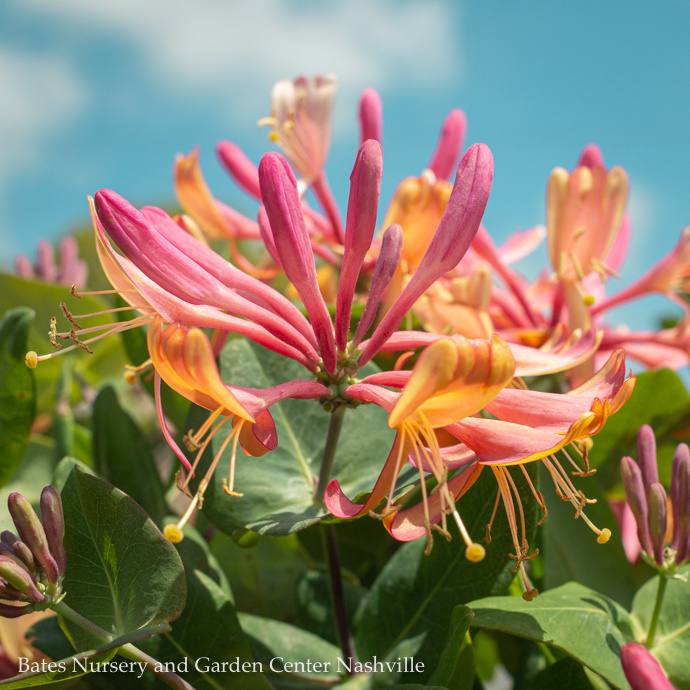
(680, 457)
(32, 533)
(9, 593)
(23, 552)
(657, 520)
(9, 611)
(20, 579)
(637, 500)
(8, 538)
(54, 525)
(683, 546)
(642, 670)
(646, 457)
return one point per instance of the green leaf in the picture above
(263, 578)
(583, 623)
(570, 548)
(277, 645)
(279, 487)
(460, 622)
(35, 472)
(408, 609)
(64, 469)
(122, 573)
(17, 390)
(122, 455)
(208, 631)
(672, 640)
(565, 674)
(661, 400)
(108, 356)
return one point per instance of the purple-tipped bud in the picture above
(23, 553)
(21, 580)
(683, 545)
(362, 206)
(642, 670)
(47, 268)
(449, 145)
(386, 265)
(646, 457)
(370, 116)
(681, 456)
(637, 500)
(54, 525)
(32, 534)
(657, 520)
(8, 538)
(9, 611)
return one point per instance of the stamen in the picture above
(52, 334)
(79, 343)
(192, 439)
(173, 533)
(75, 293)
(487, 538)
(537, 495)
(228, 485)
(69, 316)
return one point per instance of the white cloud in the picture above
(226, 47)
(41, 94)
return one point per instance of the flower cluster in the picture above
(663, 532)
(32, 565)
(464, 404)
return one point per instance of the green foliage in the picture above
(17, 390)
(122, 574)
(122, 455)
(588, 626)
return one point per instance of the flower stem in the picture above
(129, 651)
(657, 609)
(334, 429)
(342, 624)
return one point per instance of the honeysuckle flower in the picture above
(184, 359)
(663, 538)
(642, 670)
(452, 381)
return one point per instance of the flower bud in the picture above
(54, 525)
(31, 531)
(23, 553)
(10, 593)
(9, 611)
(637, 500)
(657, 520)
(683, 546)
(8, 538)
(680, 457)
(642, 670)
(20, 579)
(646, 457)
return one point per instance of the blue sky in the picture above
(104, 94)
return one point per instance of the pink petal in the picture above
(239, 167)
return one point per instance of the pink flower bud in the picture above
(657, 520)
(54, 525)
(646, 457)
(20, 579)
(642, 670)
(637, 500)
(33, 535)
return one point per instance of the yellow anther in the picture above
(130, 377)
(475, 553)
(588, 300)
(173, 534)
(31, 360)
(604, 536)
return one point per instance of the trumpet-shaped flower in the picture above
(184, 359)
(452, 381)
